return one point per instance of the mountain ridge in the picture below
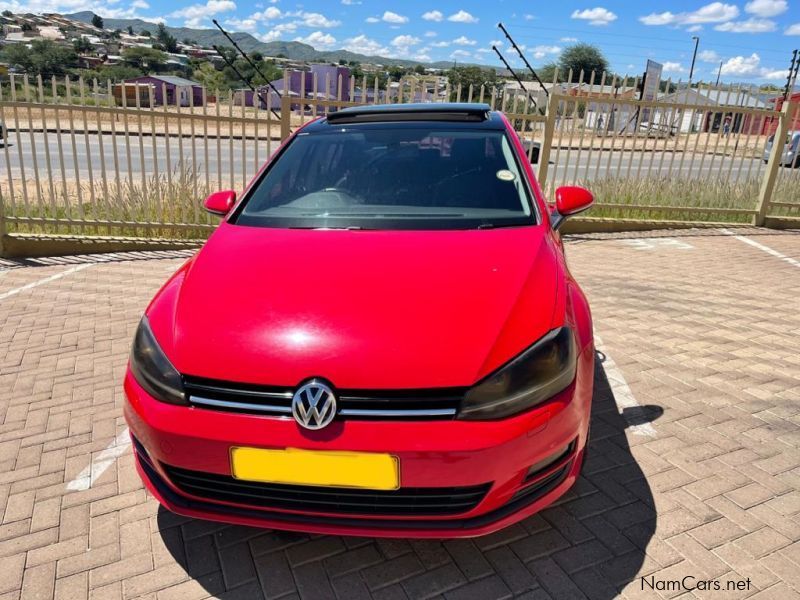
(249, 43)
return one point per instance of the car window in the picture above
(392, 178)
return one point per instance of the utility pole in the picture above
(718, 73)
(694, 57)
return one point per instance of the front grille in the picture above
(402, 502)
(440, 403)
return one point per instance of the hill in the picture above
(248, 43)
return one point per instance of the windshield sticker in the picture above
(506, 175)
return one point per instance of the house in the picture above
(705, 118)
(322, 80)
(771, 124)
(170, 90)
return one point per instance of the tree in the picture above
(145, 33)
(474, 76)
(582, 58)
(130, 29)
(8, 13)
(209, 77)
(419, 69)
(167, 40)
(145, 59)
(82, 46)
(97, 21)
(45, 58)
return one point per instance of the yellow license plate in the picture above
(317, 467)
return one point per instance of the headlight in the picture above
(152, 368)
(534, 376)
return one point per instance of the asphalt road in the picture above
(239, 160)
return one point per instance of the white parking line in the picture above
(623, 395)
(762, 247)
(101, 462)
(34, 284)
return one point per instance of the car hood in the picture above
(363, 309)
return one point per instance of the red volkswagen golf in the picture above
(381, 338)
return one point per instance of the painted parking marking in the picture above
(118, 446)
(658, 243)
(39, 282)
(762, 247)
(621, 391)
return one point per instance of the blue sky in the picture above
(753, 39)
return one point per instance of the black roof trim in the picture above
(383, 113)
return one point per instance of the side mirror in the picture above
(220, 203)
(570, 200)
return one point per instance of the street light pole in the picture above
(718, 73)
(694, 57)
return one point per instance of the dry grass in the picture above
(159, 208)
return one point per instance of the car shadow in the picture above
(591, 543)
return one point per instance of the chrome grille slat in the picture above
(356, 404)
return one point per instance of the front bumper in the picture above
(432, 454)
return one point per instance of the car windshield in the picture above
(392, 178)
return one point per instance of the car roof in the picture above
(460, 115)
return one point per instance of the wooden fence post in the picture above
(2, 221)
(286, 116)
(773, 164)
(547, 140)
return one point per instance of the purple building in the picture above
(170, 90)
(302, 83)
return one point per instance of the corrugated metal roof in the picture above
(173, 80)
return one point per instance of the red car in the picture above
(381, 338)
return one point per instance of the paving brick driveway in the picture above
(694, 465)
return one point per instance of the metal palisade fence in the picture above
(83, 159)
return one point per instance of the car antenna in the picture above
(245, 80)
(250, 62)
(513, 73)
(522, 56)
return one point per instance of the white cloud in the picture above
(464, 41)
(351, 2)
(441, 44)
(242, 24)
(792, 29)
(595, 16)
(462, 16)
(433, 15)
(693, 28)
(748, 26)
(312, 19)
(766, 8)
(372, 20)
(530, 17)
(750, 66)
(568, 39)
(278, 32)
(431, 34)
(196, 13)
(392, 17)
(319, 40)
(364, 45)
(716, 12)
(402, 41)
(708, 56)
(460, 54)
(673, 67)
(106, 8)
(542, 51)
(742, 65)
(268, 14)
(140, 4)
(498, 43)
